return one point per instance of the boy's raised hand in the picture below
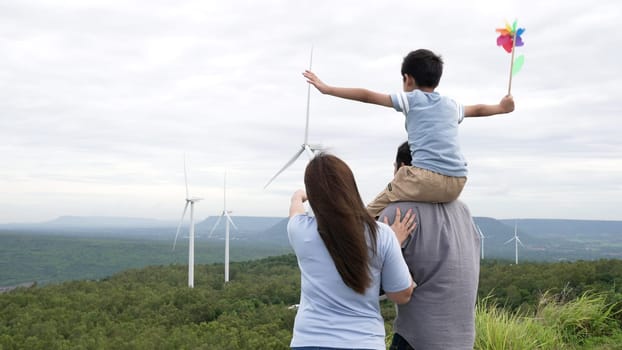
(507, 103)
(315, 81)
(356, 94)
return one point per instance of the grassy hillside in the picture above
(152, 308)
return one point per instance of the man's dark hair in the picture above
(403, 155)
(424, 66)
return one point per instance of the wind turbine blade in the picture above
(183, 214)
(509, 240)
(308, 99)
(302, 149)
(309, 151)
(519, 242)
(231, 221)
(186, 178)
(215, 225)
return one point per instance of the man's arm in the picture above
(506, 105)
(356, 94)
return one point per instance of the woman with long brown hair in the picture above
(344, 257)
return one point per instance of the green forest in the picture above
(51, 258)
(566, 305)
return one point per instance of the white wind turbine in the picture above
(228, 220)
(516, 243)
(189, 202)
(481, 239)
(307, 148)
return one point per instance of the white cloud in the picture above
(102, 99)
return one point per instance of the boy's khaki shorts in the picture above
(412, 184)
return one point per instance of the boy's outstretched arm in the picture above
(356, 94)
(506, 105)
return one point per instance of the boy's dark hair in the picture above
(403, 155)
(424, 66)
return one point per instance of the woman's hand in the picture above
(402, 227)
(300, 195)
(296, 205)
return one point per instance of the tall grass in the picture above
(555, 324)
(499, 329)
(587, 316)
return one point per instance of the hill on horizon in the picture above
(261, 223)
(543, 239)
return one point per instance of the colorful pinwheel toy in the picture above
(510, 38)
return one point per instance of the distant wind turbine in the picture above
(307, 148)
(481, 239)
(228, 220)
(189, 202)
(516, 243)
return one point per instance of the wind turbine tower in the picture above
(481, 239)
(228, 220)
(516, 243)
(189, 203)
(307, 148)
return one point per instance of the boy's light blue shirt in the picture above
(330, 313)
(432, 125)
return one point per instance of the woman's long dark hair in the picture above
(342, 219)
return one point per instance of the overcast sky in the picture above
(101, 100)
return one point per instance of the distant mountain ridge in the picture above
(543, 239)
(252, 223)
(256, 223)
(563, 227)
(72, 221)
(106, 221)
(247, 227)
(245, 224)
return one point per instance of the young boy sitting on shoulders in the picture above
(438, 171)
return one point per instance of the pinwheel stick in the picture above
(512, 62)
